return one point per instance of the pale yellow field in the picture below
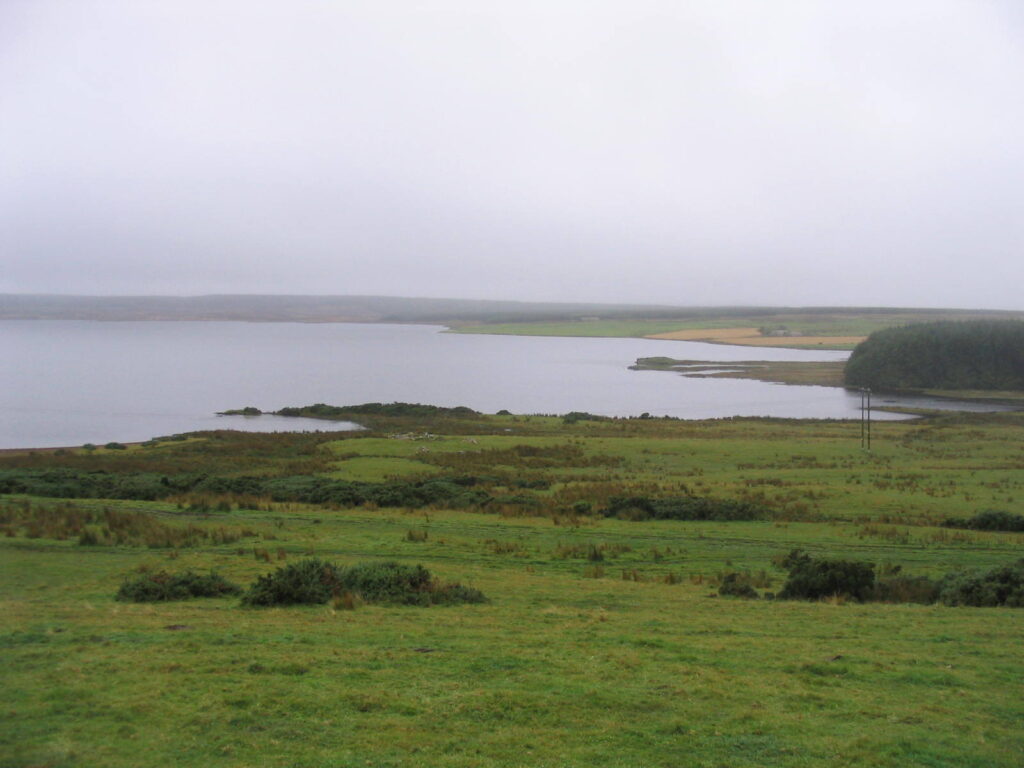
(751, 337)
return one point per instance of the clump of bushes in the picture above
(573, 417)
(307, 581)
(989, 520)
(149, 587)
(999, 586)
(813, 578)
(317, 581)
(737, 585)
(323, 411)
(816, 578)
(640, 508)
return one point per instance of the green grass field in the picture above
(825, 323)
(629, 659)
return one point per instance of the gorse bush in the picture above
(391, 582)
(162, 586)
(812, 579)
(387, 582)
(307, 581)
(999, 586)
(737, 585)
(316, 581)
(641, 508)
(989, 520)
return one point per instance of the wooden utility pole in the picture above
(865, 419)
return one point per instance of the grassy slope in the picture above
(568, 665)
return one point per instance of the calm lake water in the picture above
(68, 383)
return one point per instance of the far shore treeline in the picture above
(969, 355)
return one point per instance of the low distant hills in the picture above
(384, 309)
(304, 309)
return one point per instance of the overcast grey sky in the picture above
(784, 152)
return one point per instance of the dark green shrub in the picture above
(316, 581)
(391, 582)
(574, 416)
(640, 508)
(387, 582)
(813, 579)
(582, 507)
(163, 586)
(115, 446)
(989, 520)
(1000, 586)
(737, 585)
(304, 582)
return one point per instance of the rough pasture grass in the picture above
(811, 324)
(921, 471)
(376, 469)
(558, 669)
(575, 661)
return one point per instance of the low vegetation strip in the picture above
(818, 578)
(79, 484)
(640, 508)
(316, 581)
(160, 586)
(406, 410)
(989, 520)
(821, 373)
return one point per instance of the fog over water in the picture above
(701, 153)
(68, 383)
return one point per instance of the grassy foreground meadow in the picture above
(603, 643)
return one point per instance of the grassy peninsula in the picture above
(604, 640)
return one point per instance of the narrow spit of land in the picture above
(825, 374)
(604, 641)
